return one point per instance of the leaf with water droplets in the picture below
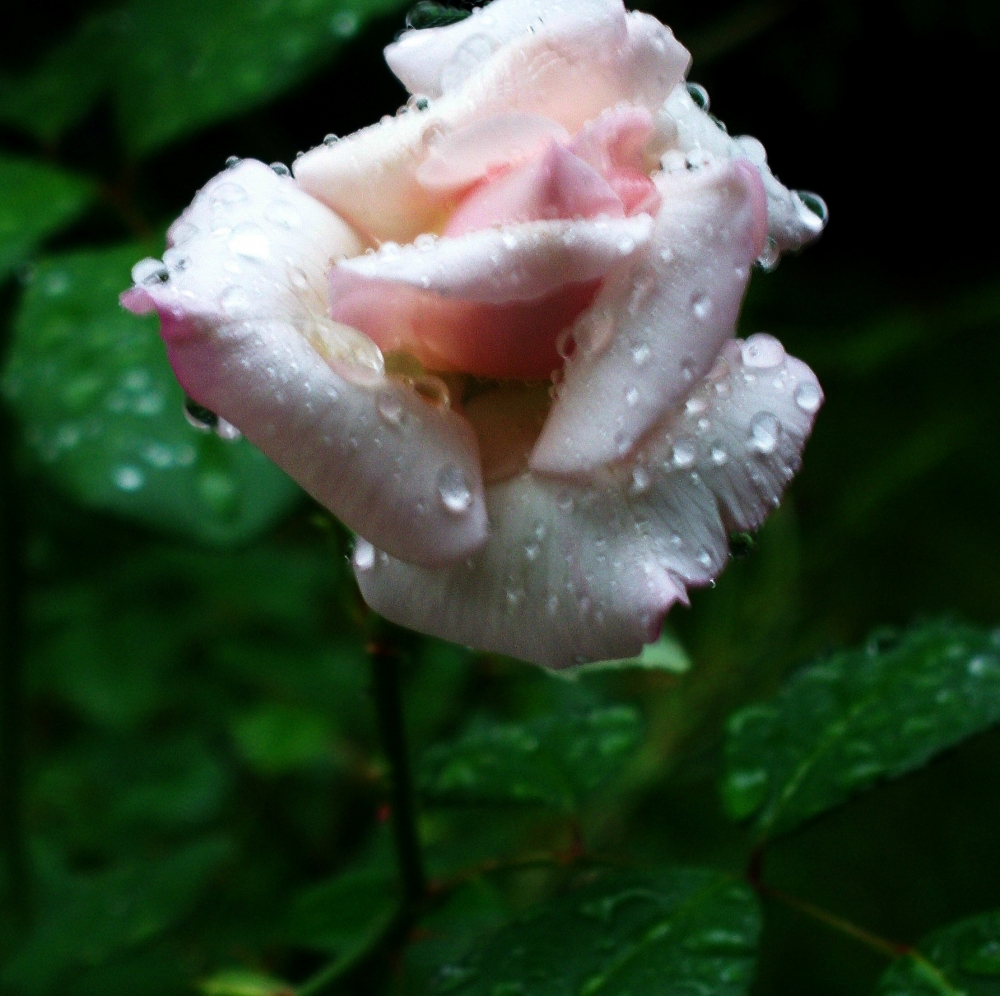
(38, 199)
(103, 413)
(960, 960)
(843, 723)
(662, 932)
(553, 760)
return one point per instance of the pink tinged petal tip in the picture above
(658, 326)
(244, 316)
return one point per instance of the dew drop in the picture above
(808, 396)
(199, 417)
(454, 489)
(684, 453)
(232, 161)
(719, 454)
(433, 390)
(433, 15)
(765, 431)
(640, 355)
(330, 139)
(815, 206)
(632, 397)
(762, 352)
(640, 480)
(228, 193)
(149, 271)
(699, 95)
(227, 432)
(566, 344)
(363, 558)
(281, 169)
(701, 306)
(391, 409)
(234, 301)
(768, 260)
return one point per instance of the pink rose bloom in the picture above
(494, 334)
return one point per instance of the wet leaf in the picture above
(175, 66)
(102, 411)
(37, 200)
(840, 725)
(666, 654)
(554, 759)
(666, 932)
(960, 960)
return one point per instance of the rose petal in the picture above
(790, 221)
(463, 157)
(517, 263)
(557, 185)
(578, 572)
(568, 76)
(243, 317)
(430, 60)
(658, 327)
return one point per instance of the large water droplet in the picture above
(200, 417)
(232, 161)
(762, 352)
(765, 432)
(684, 453)
(768, 260)
(433, 390)
(364, 555)
(281, 169)
(149, 271)
(816, 207)
(454, 489)
(699, 95)
(808, 396)
(228, 193)
(433, 15)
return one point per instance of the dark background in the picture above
(149, 659)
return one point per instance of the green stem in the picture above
(389, 707)
(13, 842)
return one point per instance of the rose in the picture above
(494, 333)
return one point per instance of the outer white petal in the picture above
(579, 572)
(421, 58)
(515, 263)
(243, 316)
(370, 177)
(657, 327)
(790, 221)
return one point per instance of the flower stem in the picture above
(389, 707)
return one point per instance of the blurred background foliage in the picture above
(193, 789)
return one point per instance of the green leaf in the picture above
(553, 759)
(960, 960)
(102, 411)
(666, 654)
(238, 982)
(666, 932)
(178, 65)
(341, 915)
(87, 919)
(37, 200)
(840, 725)
(275, 738)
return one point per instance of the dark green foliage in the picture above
(102, 410)
(178, 65)
(840, 725)
(662, 932)
(38, 199)
(555, 760)
(963, 958)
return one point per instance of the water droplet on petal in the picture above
(228, 193)
(391, 409)
(719, 454)
(763, 352)
(281, 169)
(149, 271)
(454, 489)
(765, 432)
(282, 213)
(701, 306)
(227, 432)
(364, 555)
(640, 355)
(816, 207)
(699, 95)
(199, 417)
(433, 15)
(331, 139)
(433, 390)
(234, 301)
(684, 453)
(232, 161)
(808, 396)
(768, 260)
(566, 344)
